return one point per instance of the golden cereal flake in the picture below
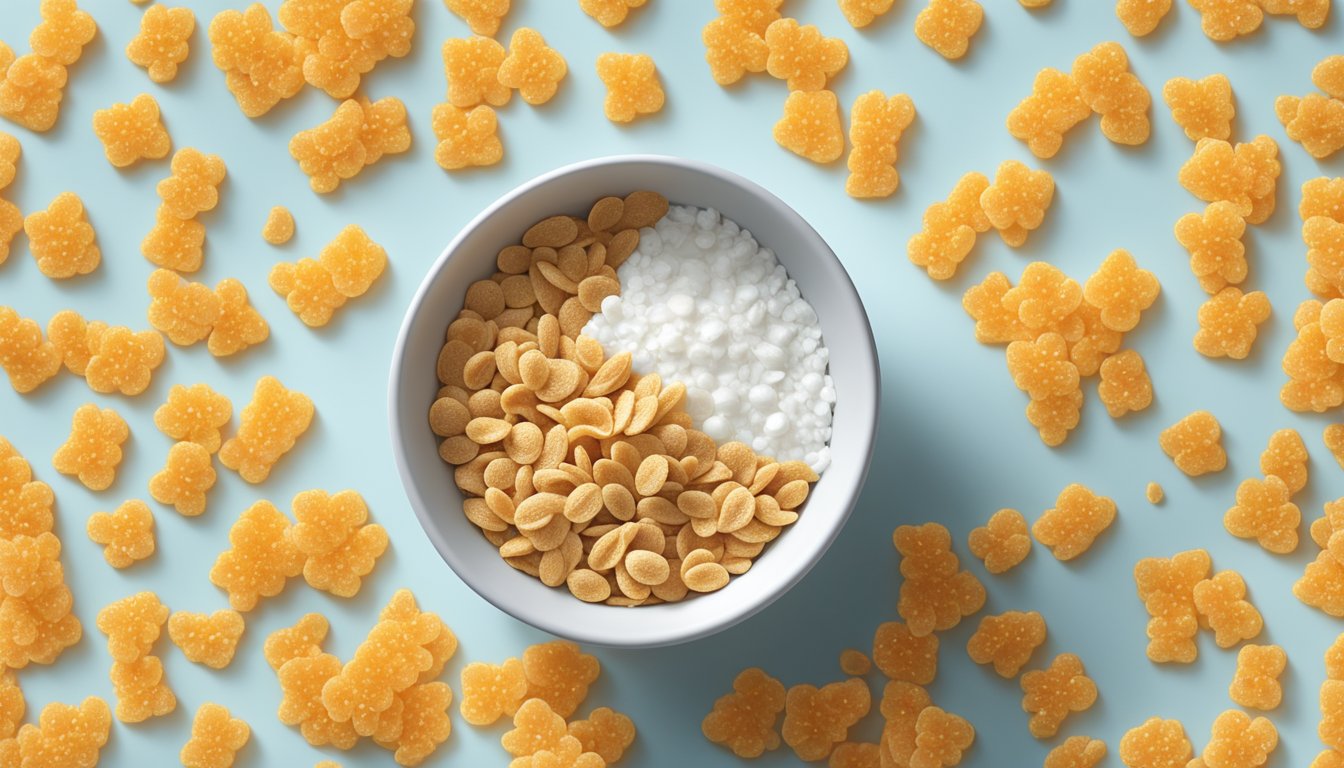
(1223, 20)
(131, 132)
(1076, 752)
(902, 656)
(801, 56)
(1121, 290)
(27, 358)
(260, 559)
(132, 625)
(1054, 107)
(196, 414)
(1002, 542)
(1195, 444)
(876, 123)
(1156, 743)
(735, 39)
(173, 243)
(1051, 694)
(811, 126)
(1125, 386)
(66, 735)
(216, 737)
(1214, 241)
(609, 13)
(93, 450)
(947, 26)
(279, 226)
(239, 325)
(605, 732)
(483, 16)
(1265, 513)
(61, 238)
(471, 65)
(183, 311)
(209, 639)
(1073, 524)
(164, 41)
(126, 535)
(31, 92)
(354, 261)
(193, 186)
(1007, 641)
(187, 476)
(267, 430)
(531, 67)
(816, 719)
(633, 88)
(1223, 607)
(743, 721)
(1203, 108)
(1114, 92)
(1256, 682)
(1167, 588)
(1017, 201)
(941, 738)
(466, 138)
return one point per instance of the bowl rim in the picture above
(845, 499)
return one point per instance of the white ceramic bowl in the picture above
(471, 256)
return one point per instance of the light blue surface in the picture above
(953, 444)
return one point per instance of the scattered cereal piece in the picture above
(239, 325)
(1042, 368)
(1114, 92)
(10, 149)
(735, 39)
(63, 32)
(1125, 386)
(1154, 493)
(876, 123)
(900, 707)
(1214, 241)
(1321, 196)
(1054, 107)
(1256, 684)
(209, 639)
(811, 126)
(11, 222)
(302, 640)
(130, 132)
(267, 430)
(25, 356)
(801, 56)
(127, 535)
(606, 732)
(163, 41)
(66, 734)
(1229, 321)
(124, 361)
(174, 243)
(332, 152)
(744, 720)
(1262, 157)
(262, 556)
(559, 673)
(861, 13)
(856, 754)
(1203, 108)
(1334, 441)
(1214, 173)
(935, 594)
(262, 66)
(1002, 542)
(1167, 588)
(424, 723)
(855, 663)
(61, 239)
(1051, 694)
(471, 65)
(1286, 457)
(947, 26)
(632, 86)
(1017, 201)
(535, 728)
(1264, 512)
(279, 227)
(609, 13)
(490, 692)
(1322, 585)
(93, 450)
(132, 625)
(949, 234)
(193, 187)
(141, 690)
(301, 681)
(1157, 743)
(25, 503)
(1310, 13)
(186, 477)
(1076, 752)
(340, 548)
(1328, 74)
(1121, 290)
(12, 705)
(466, 138)
(31, 91)
(902, 656)
(483, 16)
(940, 739)
(216, 737)
(532, 67)
(994, 323)
(1077, 519)
(1007, 641)
(816, 719)
(1195, 444)
(1314, 121)
(1222, 605)
(1223, 20)
(341, 42)
(1043, 298)
(1236, 739)
(1325, 257)
(195, 414)
(183, 311)
(353, 261)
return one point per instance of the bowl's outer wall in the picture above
(471, 256)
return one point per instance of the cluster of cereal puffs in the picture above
(1222, 20)
(1316, 121)
(64, 734)
(1323, 578)
(356, 136)
(133, 625)
(1312, 360)
(388, 690)
(32, 85)
(345, 269)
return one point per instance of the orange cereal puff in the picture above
(490, 692)
(1214, 173)
(466, 138)
(1070, 527)
(183, 311)
(1076, 752)
(861, 13)
(876, 123)
(11, 223)
(811, 126)
(816, 719)
(1121, 290)
(1157, 743)
(126, 535)
(173, 243)
(341, 44)
(193, 186)
(353, 261)
(1224, 20)
(531, 67)
(1003, 542)
(216, 737)
(935, 595)
(801, 56)
(93, 450)
(65, 734)
(195, 414)
(279, 226)
(27, 358)
(609, 13)
(301, 680)
(141, 690)
(303, 640)
(1050, 695)
(1115, 93)
(632, 85)
(1328, 75)
(32, 566)
(1125, 386)
(341, 549)
(187, 476)
(1203, 108)
(425, 723)
(1286, 457)
(10, 149)
(267, 430)
(1222, 605)
(163, 41)
(900, 707)
(1236, 739)
(940, 739)
(31, 92)
(949, 233)
(856, 754)
(1264, 512)
(132, 625)
(1310, 13)
(1214, 241)
(1334, 442)
(1141, 17)
(441, 645)
(735, 39)
(63, 32)
(947, 26)
(1195, 444)
(239, 325)
(483, 16)
(744, 721)
(308, 289)
(1314, 121)
(535, 728)
(1256, 683)
(1262, 157)
(261, 558)
(209, 639)
(1322, 585)
(1017, 201)
(605, 732)
(262, 66)
(1054, 107)
(902, 656)
(471, 65)
(61, 238)
(994, 323)
(332, 152)
(1167, 588)
(1228, 323)
(1043, 298)
(1324, 238)
(559, 673)
(1322, 196)
(131, 132)
(1007, 641)
(25, 503)
(1042, 368)
(388, 662)
(855, 663)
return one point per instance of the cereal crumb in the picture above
(61, 238)
(127, 535)
(187, 476)
(1256, 683)
(811, 127)
(801, 56)
(163, 41)
(1154, 493)
(93, 450)
(947, 26)
(744, 720)
(267, 429)
(855, 663)
(632, 86)
(279, 226)
(1073, 524)
(1051, 694)
(132, 132)
(1203, 108)
(1195, 444)
(216, 736)
(1167, 588)
(1007, 641)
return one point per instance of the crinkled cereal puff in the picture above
(1228, 323)
(31, 92)
(1121, 290)
(941, 738)
(340, 548)
(1236, 739)
(1054, 107)
(209, 639)
(1256, 683)
(1264, 512)
(735, 39)
(900, 707)
(93, 450)
(935, 594)
(532, 67)
(950, 230)
(1043, 297)
(1286, 458)
(861, 13)
(811, 126)
(308, 289)
(902, 656)
(132, 625)
(1003, 542)
(279, 226)
(1322, 585)
(609, 13)
(483, 16)
(632, 86)
(1167, 588)
(303, 640)
(216, 736)
(1077, 519)
(61, 238)
(1157, 743)
(816, 719)
(239, 325)
(1223, 20)
(332, 152)
(130, 132)
(466, 138)
(994, 324)
(1007, 641)
(947, 26)
(261, 558)
(26, 357)
(490, 692)
(183, 311)
(1214, 241)
(63, 32)
(193, 187)
(1223, 607)
(173, 243)
(354, 261)
(196, 414)
(560, 674)
(127, 535)
(876, 123)
(141, 690)
(1203, 108)
(1115, 93)
(606, 732)
(1314, 121)
(25, 503)
(187, 476)
(1195, 444)
(262, 66)
(1076, 752)
(1125, 386)
(65, 734)
(471, 66)
(163, 41)
(801, 56)
(1050, 695)
(744, 721)
(267, 429)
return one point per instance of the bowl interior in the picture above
(470, 257)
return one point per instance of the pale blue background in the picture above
(953, 444)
